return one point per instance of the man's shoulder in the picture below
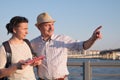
(61, 37)
(35, 39)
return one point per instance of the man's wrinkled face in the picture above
(47, 29)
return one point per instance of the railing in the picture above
(87, 68)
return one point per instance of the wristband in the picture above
(19, 65)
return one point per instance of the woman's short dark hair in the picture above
(14, 22)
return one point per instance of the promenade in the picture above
(88, 73)
(97, 70)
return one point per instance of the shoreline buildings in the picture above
(104, 54)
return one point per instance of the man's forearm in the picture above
(88, 43)
(96, 35)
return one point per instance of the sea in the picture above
(78, 70)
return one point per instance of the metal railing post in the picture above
(86, 71)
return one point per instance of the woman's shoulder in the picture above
(1, 47)
(2, 50)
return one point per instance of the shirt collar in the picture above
(51, 38)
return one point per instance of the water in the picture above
(78, 70)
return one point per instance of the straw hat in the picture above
(44, 17)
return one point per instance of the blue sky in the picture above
(75, 18)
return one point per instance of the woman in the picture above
(19, 69)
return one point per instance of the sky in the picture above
(75, 18)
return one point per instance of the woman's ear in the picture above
(14, 30)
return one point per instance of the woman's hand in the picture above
(36, 62)
(21, 64)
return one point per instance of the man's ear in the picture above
(38, 26)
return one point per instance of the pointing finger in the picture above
(98, 28)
